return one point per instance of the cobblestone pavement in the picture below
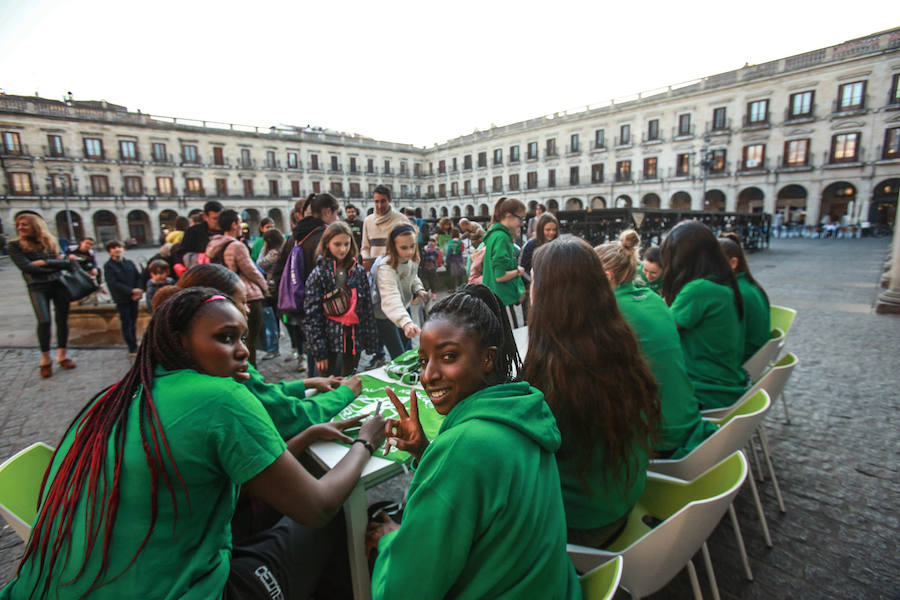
(837, 462)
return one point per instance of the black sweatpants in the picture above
(290, 561)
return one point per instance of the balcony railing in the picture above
(718, 128)
(191, 160)
(20, 150)
(762, 123)
(623, 143)
(790, 117)
(838, 110)
(682, 134)
(830, 160)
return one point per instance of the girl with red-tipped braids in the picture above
(138, 499)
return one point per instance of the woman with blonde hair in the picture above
(37, 255)
(682, 427)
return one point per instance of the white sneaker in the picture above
(271, 355)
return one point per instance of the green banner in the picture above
(367, 401)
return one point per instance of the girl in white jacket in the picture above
(395, 283)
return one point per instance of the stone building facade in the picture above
(815, 137)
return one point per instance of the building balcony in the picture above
(796, 119)
(839, 111)
(246, 164)
(682, 134)
(599, 148)
(748, 125)
(15, 151)
(839, 161)
(648, 140)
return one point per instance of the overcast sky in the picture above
(404, 71)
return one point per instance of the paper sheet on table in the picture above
(373, 391)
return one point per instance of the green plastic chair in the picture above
(602, 582)
(20, 484)
(757, 365)
(736, 429)
(670, 522)
(782, 317)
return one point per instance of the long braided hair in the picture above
(82, 471)
(478, 309)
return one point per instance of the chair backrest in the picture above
(734, 431)
(757, 364)
(773, 381)
(782, 317)
(601, 583)
(689, 510)
(20, 484)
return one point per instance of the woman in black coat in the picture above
(36, 254)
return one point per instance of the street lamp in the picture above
(65, 191)
(706, 163)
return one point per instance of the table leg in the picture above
(355, 514)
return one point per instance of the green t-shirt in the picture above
(220, 437)
(757, 316)
(641, 280)
(500, 257)
(257, 248)
(712, 338)
(683, 429)
(454, 248)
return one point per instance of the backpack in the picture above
(292, 288)
(219, 259)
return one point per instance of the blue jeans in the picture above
(392, 337)
(268, 336)
(128, 315)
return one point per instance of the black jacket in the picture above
(121, 277)
(196, 238)
(35, 276)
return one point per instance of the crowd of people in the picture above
(182, 479)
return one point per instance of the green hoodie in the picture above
(682, 427)
(757, 316)
(500, 257)
(485, 517)
(291, 411)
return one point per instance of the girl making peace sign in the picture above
(468, 531)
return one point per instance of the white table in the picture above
(376, 471)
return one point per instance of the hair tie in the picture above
(397, 231)
(215, 297)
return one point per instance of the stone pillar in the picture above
(863, 202)
(889, 300)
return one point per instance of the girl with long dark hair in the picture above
(139, 495)
(36, 254)
(585, 358)
(705, 301)
(757, 313)
(682, 428)
(484, 517)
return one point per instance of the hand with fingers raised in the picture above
(405, 433)
(334, 431)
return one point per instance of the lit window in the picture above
(164, 186)
(21, 183)
(133, 186)
(844, 147)
(796, 153)
(891, 143)
(754, 156)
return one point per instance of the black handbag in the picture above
(78, 283)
